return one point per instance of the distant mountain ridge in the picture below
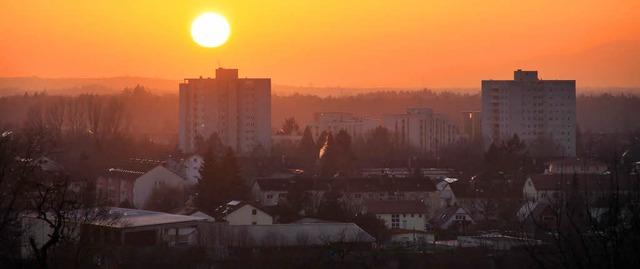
(72, 86)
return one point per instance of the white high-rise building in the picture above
(421, 129)
(238, 109)
(532, 109)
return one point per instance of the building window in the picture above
(254, 212)
(395, 221)
(253, 223)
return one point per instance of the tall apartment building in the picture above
(422, 129)
(238, 109)
(531, 108)
(333, 122)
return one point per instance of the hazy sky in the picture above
(364, 43)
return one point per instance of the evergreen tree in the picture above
(307, 151)
(289, 127)
(344, 154)
(232, 182)
(379, 147)
(209, 189)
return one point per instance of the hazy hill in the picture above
(73, 86)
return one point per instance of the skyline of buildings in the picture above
(239, 111)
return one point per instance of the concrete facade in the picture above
(421, 129)
(531, 108)
(237, 109)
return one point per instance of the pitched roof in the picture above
(576, 161)
(584, 181)
(234, 205)
(131, 218)
(286, 184)
(446, 214)
(388, 184)
(297, 234)
(395, 207)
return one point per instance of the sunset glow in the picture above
(329, 43)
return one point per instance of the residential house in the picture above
(243, 213)
(270, 191)
(356, 191)
(157, 178)
(573, 165)
(131, 183)
(553, 189)
(404, 214)
(455, 217)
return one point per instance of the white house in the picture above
(553, 188)
(243, 213)
(404, 214)
(156, 178)
(450, 217)
(269, 191)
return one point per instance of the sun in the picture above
(210, 30)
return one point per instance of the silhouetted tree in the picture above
(345, 157)
(230, 174)
(379, 147)
(289, 127)
(332, 208)
(307, 151)
(210, 189)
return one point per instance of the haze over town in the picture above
(332, 134)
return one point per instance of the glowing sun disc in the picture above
(210, 30)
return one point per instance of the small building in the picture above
(570, 166)
(243, 213)
(117, 227)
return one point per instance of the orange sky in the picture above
(352, 43)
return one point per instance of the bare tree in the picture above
(76, 116)
(113, 116)
(54, 117)
(592, 224)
